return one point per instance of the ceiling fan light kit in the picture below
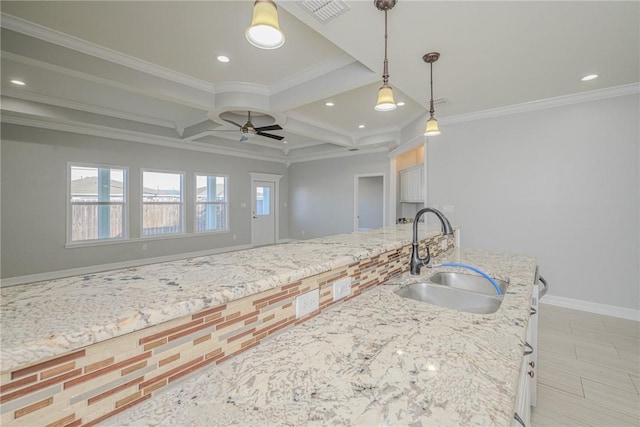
(432, 128)
(264, 31)
(385, 93)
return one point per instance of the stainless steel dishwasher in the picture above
(540, 288)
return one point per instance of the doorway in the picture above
(264, 208)
(369, 202)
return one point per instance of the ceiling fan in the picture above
(248, 128)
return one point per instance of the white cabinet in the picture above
(412, 184)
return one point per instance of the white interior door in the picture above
(369, 202)
(263, 228)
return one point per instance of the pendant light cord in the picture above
(431, 110)
(385, 72)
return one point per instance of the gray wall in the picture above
(561, 184)
(370, 200)
(322, 193)
(34, 191)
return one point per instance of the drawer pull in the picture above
(529, 349)
(518, 419)
(532, 364)
(533, 311)
(531, 374)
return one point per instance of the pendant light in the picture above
(264, 31)
(385, 93)
(432, 128)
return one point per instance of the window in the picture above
(211, 203)
(162, 203)
(263, 201)
(97, 197)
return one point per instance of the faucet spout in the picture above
(416, 261)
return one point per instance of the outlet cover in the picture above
(341, 288)
(307, 303)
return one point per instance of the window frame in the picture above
(125, 206)
(196, 203)
(182, 231)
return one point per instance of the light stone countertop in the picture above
(45, 319)
(377, 359)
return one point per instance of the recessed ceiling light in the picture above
(18, 82)
(285, 142)
(400, 104)
(589, 77)
(361, 126)
(329, 104)
(222, 58)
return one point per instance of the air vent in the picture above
(324, 10)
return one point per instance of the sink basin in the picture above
(445, 296)
(468, 282)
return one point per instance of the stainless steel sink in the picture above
(468, 282)
(464, 292)
(444, 296)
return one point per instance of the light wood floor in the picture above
(588, 369)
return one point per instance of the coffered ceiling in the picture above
(146, 71)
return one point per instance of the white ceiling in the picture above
(146, 70)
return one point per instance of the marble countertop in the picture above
(44, 319)
(377, 359)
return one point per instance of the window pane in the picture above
(161, 187)
(90, 222)
(211, 216)
(92, 192)
(263, 206)
(210, 188)
(92, 184)
(163, 218)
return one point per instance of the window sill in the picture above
(85, 244)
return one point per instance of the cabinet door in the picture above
(412, 184)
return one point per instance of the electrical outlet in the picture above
(341, 288)
(307, 302)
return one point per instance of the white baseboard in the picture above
(288, 240)
(592, 307)
(52, 275)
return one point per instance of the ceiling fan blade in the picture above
(271, 127)
(270, 135)
(232, 122)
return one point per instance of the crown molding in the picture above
(543, 104)
(131, 136)
(334, 155)
(242, 87)
(65, 40)
(407, 146)
(59, 102)
(100, 80)
(136, 137)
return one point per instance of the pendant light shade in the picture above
(264, 31)
(432, 128)
(385, 93)
(385, 99)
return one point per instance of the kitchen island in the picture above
(79, 350)
(377, 359)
